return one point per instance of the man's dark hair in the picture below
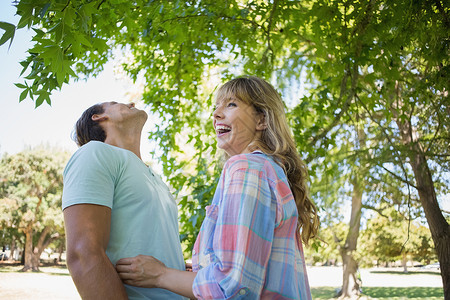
(86, 129)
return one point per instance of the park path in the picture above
(51, 284)
(56, 284)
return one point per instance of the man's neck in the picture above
(129, 142)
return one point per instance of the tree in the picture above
(388, 238)
(31, 190)
(9, 224)
(381, 58)
(385, 62)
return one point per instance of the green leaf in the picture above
(39, 100)
(23, 95)
(82, 39)
(58, 31)
(26, 19)
(60, 76)
(70, 16)
(10, 30)
(20, 85)
(44, 10)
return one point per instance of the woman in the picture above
(249, 245)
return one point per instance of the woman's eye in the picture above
(232, 104)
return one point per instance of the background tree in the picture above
(9, 221)
(387, 238)
(31, 190)
(383, 63)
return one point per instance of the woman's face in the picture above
(237, 124)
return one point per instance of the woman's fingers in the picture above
(123, 268)
(140, 270)
(125, 261)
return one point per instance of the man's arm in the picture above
(87, 235)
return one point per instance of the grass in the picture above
(395, 293)
(409, 273)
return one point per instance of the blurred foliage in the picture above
(30, 197)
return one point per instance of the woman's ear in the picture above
(261, 122)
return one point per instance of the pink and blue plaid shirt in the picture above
(248, 246)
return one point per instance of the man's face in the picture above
(120, 112)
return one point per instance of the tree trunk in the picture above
(61, 250)
(43, 241)
(439, 228)
(404, 262)
(350, 281)
(13, 249)
(33, 253)
(30, 261)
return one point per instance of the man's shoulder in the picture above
(90, 175)
(94, 153)
(96, 148)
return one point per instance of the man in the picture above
(115, 206)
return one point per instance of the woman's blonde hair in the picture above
(276, 140)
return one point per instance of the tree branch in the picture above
(399, 178)
(378, 210)
(338, 117)
(100, 4)
(437, 130)
(360, 28)
(220, 17)
(269, 26)
(67, 4)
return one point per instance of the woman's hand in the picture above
(142, 271)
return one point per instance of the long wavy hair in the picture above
(276, 140)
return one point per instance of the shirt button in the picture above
(193, 252)
(242, 292)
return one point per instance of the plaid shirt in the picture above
(248, 246)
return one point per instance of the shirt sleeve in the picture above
(242, 239)
(89, 177)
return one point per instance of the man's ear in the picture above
(99, 117)
(261, 124)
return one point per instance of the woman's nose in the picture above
(217, 114)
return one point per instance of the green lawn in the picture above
(396, 293)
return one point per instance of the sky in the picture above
(22, 126)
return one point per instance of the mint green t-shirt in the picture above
(143, 212)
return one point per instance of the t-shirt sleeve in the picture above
(89, 177)
(242, 239)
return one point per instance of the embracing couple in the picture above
(121, 220)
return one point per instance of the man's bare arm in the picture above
(87, 235)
